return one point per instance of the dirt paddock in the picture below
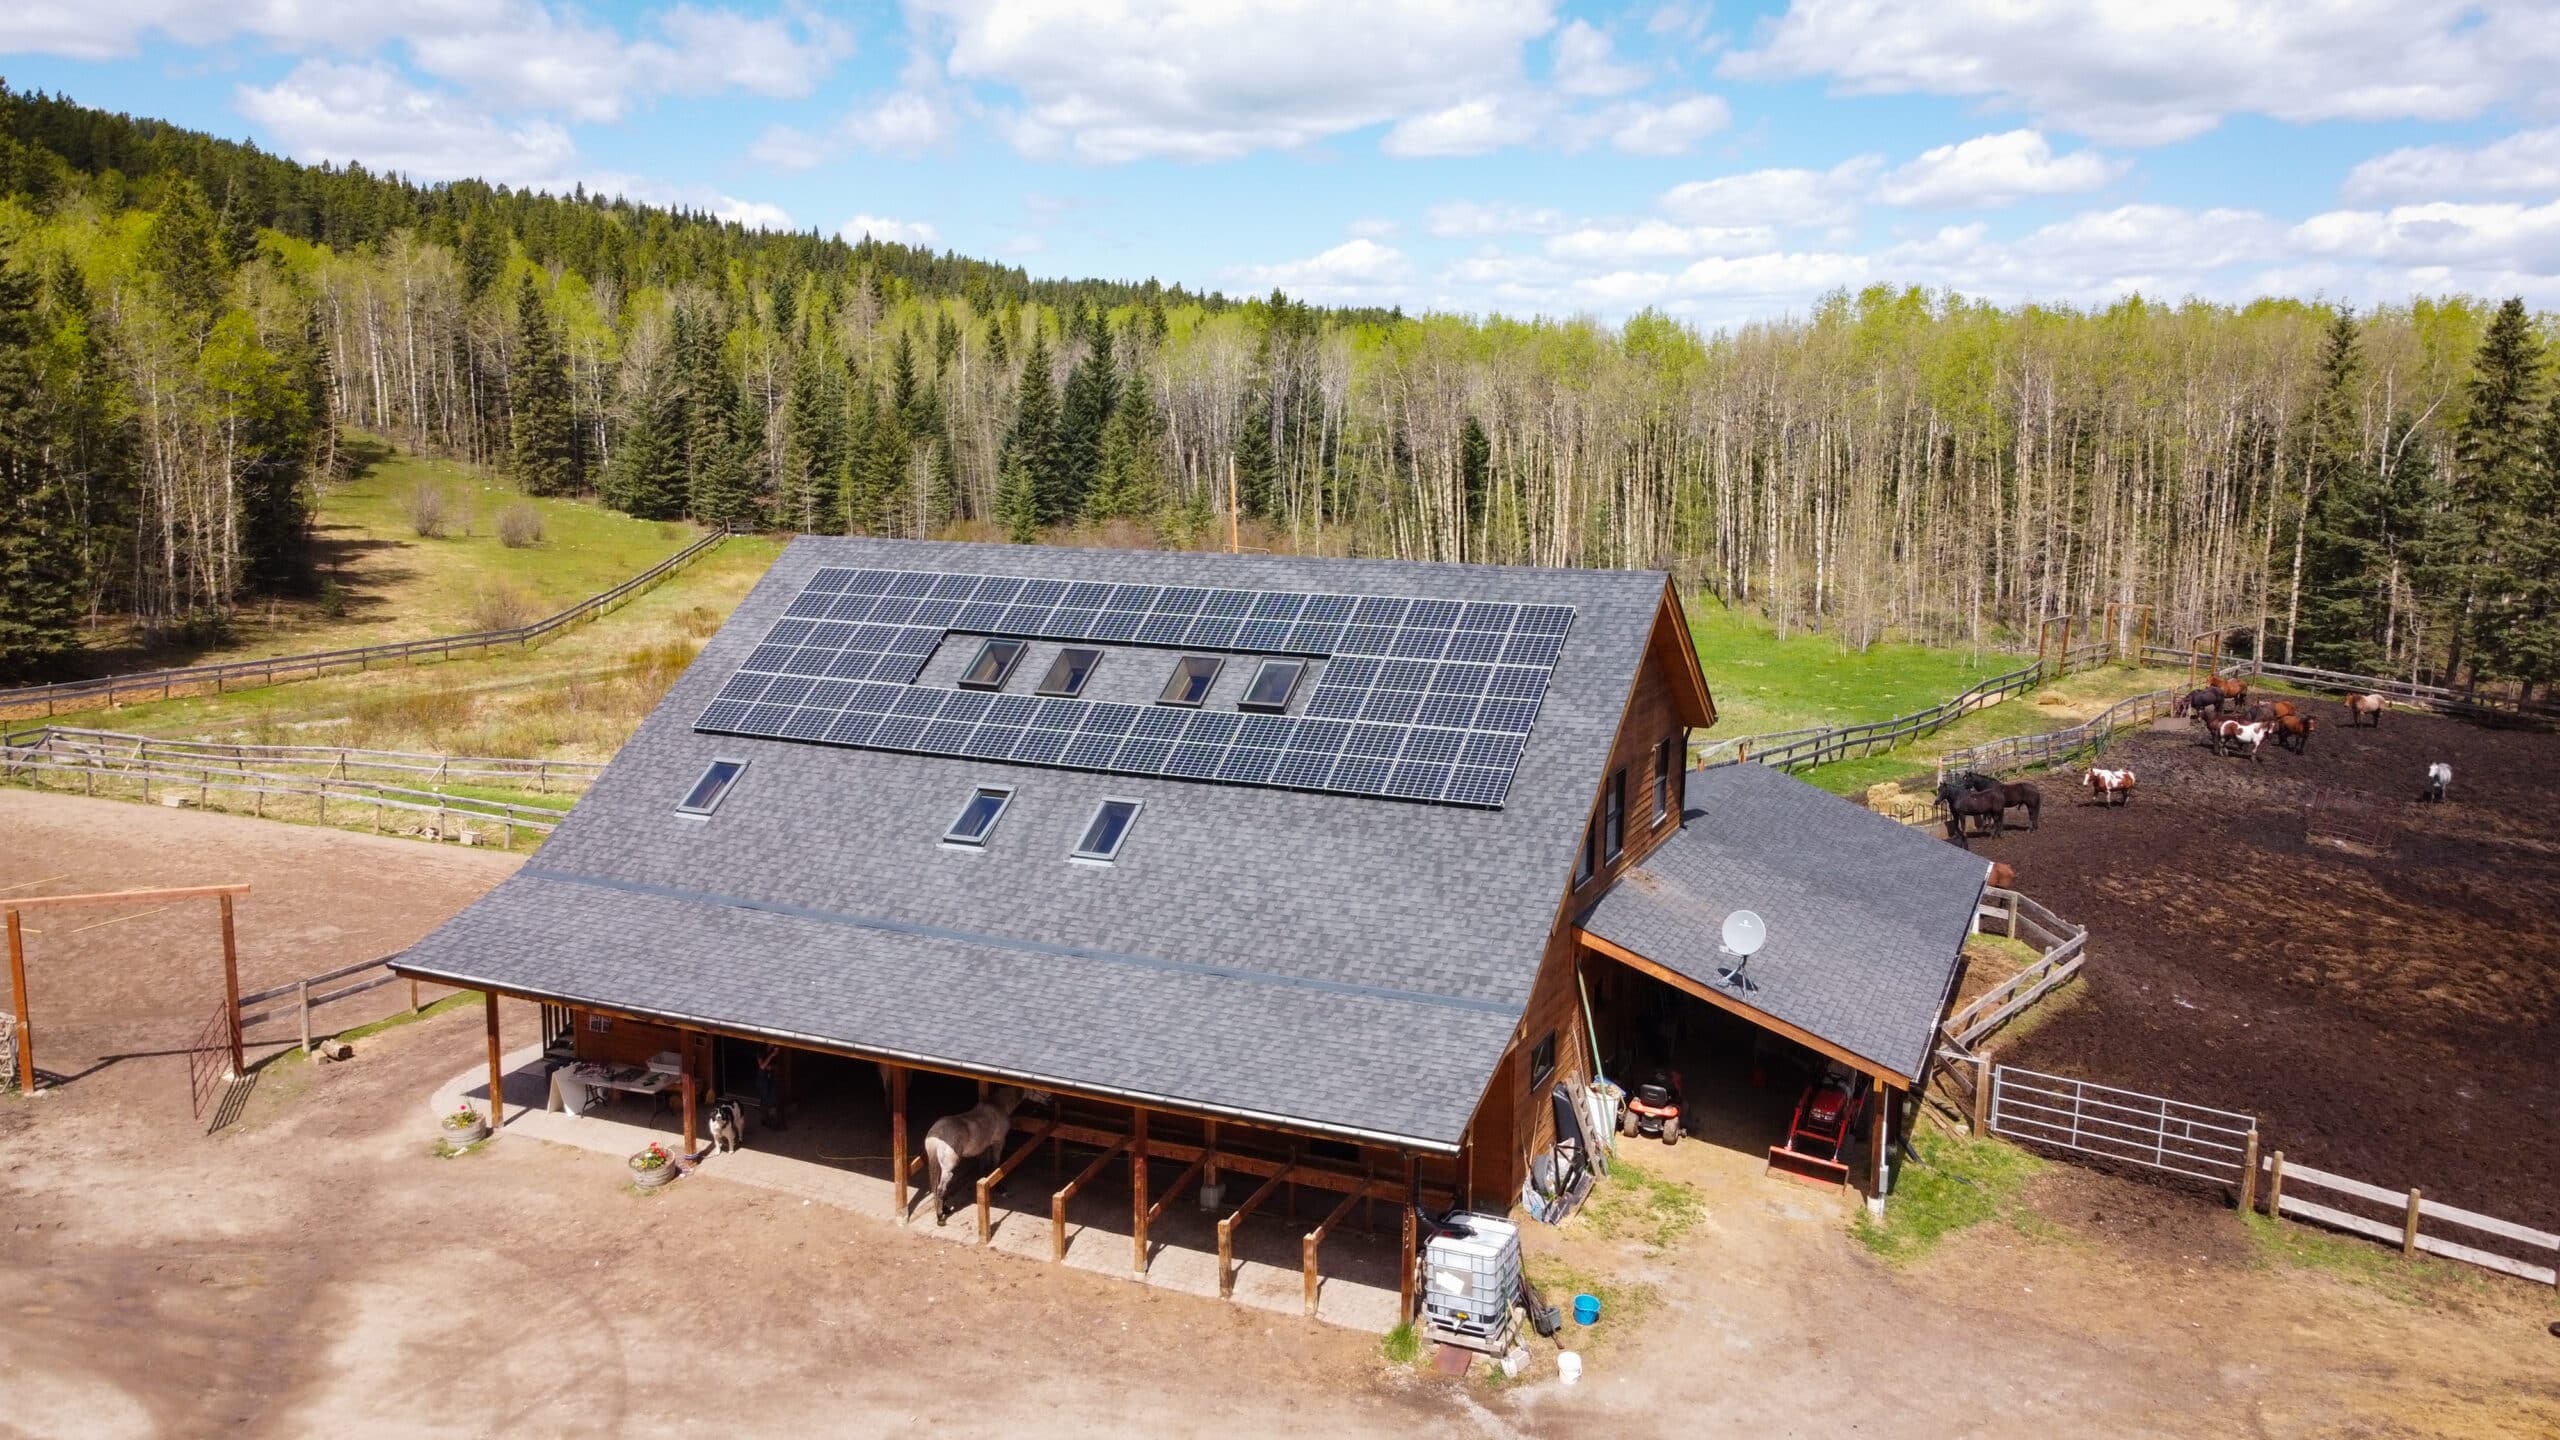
(2390, 1017)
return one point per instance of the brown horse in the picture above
(2004, 876)
(2294, 731)
(2234, 693)
(2365, 710)
(2200, 702)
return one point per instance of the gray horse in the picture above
(978, 1130)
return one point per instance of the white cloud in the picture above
(786, 147)
(1470, 127)
(1353, 272)
(1994, 170)
(2525, 163)
(1671, 128)
(327, 111)
(2458, 237)
(1208, 80)
(2154, 71)
(880, 227)
(1374, 229)
(1465, 220)
(901, 122)
(1657, 240)
(1585, 63)
(754, 214)
(1775, 197)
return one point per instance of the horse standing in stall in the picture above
(2112, 787)
(2247, 736)
(2365, 710)
(978, 1130)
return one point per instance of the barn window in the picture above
(1615, 809)
(712, 788)
(1666, 760)
(1542, 1061)
(1107, 831)
(1069, 672)
(1191, 680)
(978, 817)
(993, 666)
(1588, 863)
(1272, 685)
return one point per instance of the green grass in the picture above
(292, 1054)
(1957, 1184)
(1763, 683)
(2080, 696)
(1402, 1346)
(2358, 1261)
(1623, 1304)
(1635, 1204)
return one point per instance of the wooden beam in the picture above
(1058, 1200)
(497, 1096)
(1405, 1271)
(1314, 1238)
(1189, 1173)
(987, 1183)
(231, 996)
(1882, 1130)
(116, 897)
(1227, 1234)
(1243, 1163)
(1882, 1075)
(1138, 1191)
(685, 1083)
(1700, 710)
(18, 1000)
(898, 1134)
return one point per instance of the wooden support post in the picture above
(1315, 1238)
(1227, 1230)
(898, 1135)
(685, 1083)
(2249, 1174)
(301, 1002)
(18, 1001)
(413, 997)
(1982, 1082)
(2409, 1228)
(1405, 1271)
(1138, 1192)
(1058, 1201)
(1209, 1141)
(497, 1094)
(2275, 1187)
(1880, 1129)
(988, 1182)
(231, 994)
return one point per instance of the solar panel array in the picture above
(1418, 699)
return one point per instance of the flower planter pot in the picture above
(459, 1136)
(654, 1176)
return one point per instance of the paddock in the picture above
(2299, 939)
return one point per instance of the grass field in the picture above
(1763, 683)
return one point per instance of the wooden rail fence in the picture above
(338, 762)
(199, 679)
(305, 999)
(1802, 749)
(119, 775)
(2062, 947)
(2410, 1212)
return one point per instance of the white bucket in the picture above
(1568, 1367)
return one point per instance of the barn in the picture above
(1320, 870)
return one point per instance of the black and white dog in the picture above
(728, 1125)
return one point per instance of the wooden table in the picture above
(581, 1087)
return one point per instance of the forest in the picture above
(188, 326)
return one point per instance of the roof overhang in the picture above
(1884, 1075)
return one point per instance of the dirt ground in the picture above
(2395, 1019)
(313, 1268)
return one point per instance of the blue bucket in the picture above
(1586, 1309)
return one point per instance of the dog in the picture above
(728, 1126)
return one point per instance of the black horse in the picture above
(2202, 704)
(1970, 805)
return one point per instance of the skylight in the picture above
(993, 666)
(1272, 685)
(1191, 680)
(1069, 672)
(978, 817)
(712, 788)
(1108, 831)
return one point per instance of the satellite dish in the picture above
(1745, 932)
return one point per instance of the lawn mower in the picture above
(1653, 1111)
(1826, 1115)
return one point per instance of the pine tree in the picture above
(41, 575)
(1093, 391)
(1031, 446)
(2495, 457)
(2345, 563)
(814, 444)
(1257, 461)
(186, 253)
(721, 486)
(997, 354)
(647, 477)
(1130, 480)
(1475, 471)
(484, 256)
(543, 424)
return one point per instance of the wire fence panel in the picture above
(2196, 1141)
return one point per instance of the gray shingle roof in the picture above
(1866, 916)
(1339, 962)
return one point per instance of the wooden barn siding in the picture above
(629, 1042)
(1516, 1119)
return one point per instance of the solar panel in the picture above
(1414, 697)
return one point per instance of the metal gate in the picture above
(2197, 1141)
(209, 1058)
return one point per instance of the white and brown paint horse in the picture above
(978, 1130)
(2112, 787)
(2245, 736)
(2365, 710)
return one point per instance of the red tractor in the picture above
(1826, 1115)
(1653, 1111)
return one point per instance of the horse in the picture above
(2365, 710)
(2004, 875)
(2235, 733)
(2112, 787)
(2199, 703)
(976, 1131)
(1964, 783)
(2020, 793)
(2439, 780)
(2236, 692)
(1973, 805)
(2294, 732)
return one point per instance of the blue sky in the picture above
(1725, 163)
